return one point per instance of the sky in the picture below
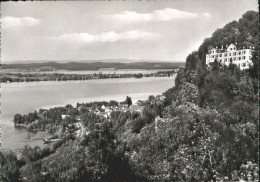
(146, 30)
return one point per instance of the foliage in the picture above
(128, 101)
(138, 124)
(9, 167)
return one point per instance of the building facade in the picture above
(240, 57)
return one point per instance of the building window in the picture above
(244, 64)
(229, 54)
(239, 53)
(225, 59)
(244, 57)
(239, 58)
(220, 55)
(212, 56)
(225, 54)
(244, 52)
(234, 58)
(234, 53)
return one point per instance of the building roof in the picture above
(222, 50)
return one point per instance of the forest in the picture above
(204, 129)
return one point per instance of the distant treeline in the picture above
(96, 65)
(31, 77)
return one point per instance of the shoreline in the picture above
(90, 80)
(116, 97)
(38, 134)
(55, 76)
(19, 136)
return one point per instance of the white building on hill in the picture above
(241, 57)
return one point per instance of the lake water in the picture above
(27, 97)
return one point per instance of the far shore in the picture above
(10, 77)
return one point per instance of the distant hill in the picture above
(120, 60)
(96, 65)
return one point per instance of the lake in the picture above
(27, 97)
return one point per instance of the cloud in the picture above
(111, 36)
(12, 22)
(166, 14)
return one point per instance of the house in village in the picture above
(63, 116)
(103, 107)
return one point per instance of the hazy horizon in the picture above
(164, 31)
(93, 61)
